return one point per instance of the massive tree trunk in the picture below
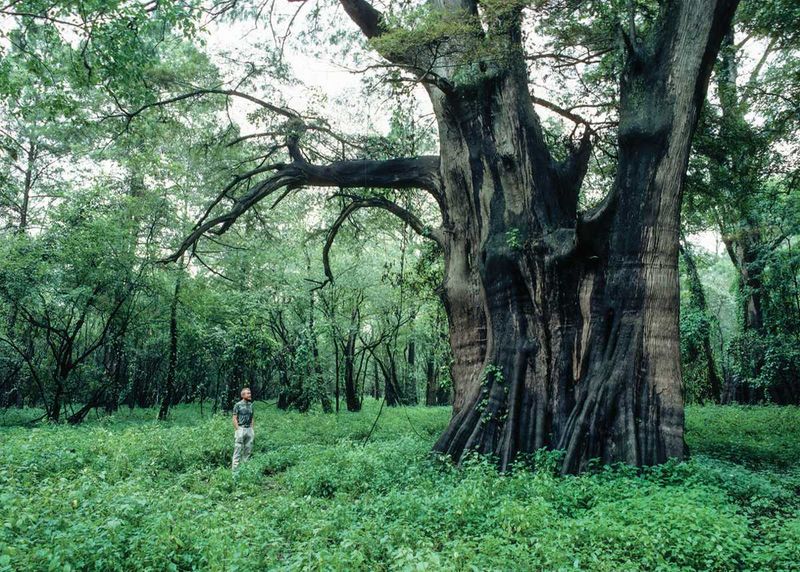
(563, 325)
(564, 329)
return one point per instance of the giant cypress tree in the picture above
(563, 324)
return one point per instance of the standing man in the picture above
(243, 424)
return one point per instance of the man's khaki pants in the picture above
(243, 445)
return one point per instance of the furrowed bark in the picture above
(581, 348)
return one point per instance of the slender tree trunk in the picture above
(394, 396)
(350, 382)
(376, 385)
(698, 301)
(337, 373)
(432, 384)
(316, 365)
(169, 392)
(361, 376)
(743, 253)
(410, 389)
(61, 375)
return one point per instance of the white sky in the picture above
(320, 77)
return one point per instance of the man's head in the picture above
(246, 394)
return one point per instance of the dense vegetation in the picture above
(128, 493)
(100, 179)
(190, 205)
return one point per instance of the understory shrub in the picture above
(128, 493)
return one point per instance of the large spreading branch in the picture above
(365, 16)
(295, 121)
(405, 173)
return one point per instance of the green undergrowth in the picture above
(128, 493)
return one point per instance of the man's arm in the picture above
(235, 419)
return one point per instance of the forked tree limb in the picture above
(376, 202)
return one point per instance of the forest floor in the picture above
(128, 493)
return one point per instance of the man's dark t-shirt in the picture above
(244, 413)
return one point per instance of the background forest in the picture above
(118, 130)
(124, 122)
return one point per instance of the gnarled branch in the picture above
(407, 173)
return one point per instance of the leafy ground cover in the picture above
(128, 493)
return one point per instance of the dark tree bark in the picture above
(410, 388)
(563, 325)
(350, 382)
(283, 390)
(391, 390)
(336, 372)
(581, 350)
(94, 400)
(432, 383)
